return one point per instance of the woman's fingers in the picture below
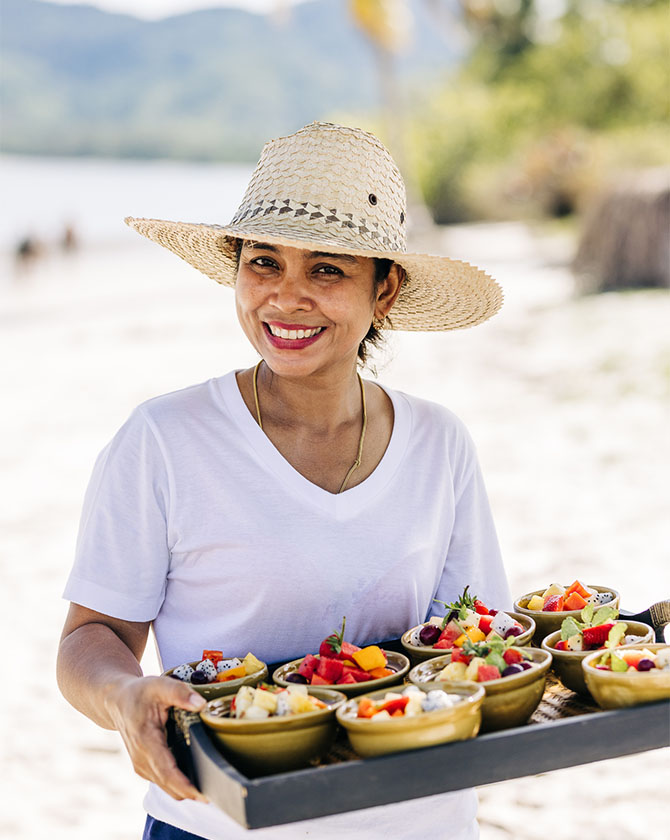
(142, 710)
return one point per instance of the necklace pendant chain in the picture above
(361, 440)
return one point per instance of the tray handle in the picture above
(657, 615)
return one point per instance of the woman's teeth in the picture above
(293, 334)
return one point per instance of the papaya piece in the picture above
(370, 657)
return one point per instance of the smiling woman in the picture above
(251, 511)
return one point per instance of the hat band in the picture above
(312, 221)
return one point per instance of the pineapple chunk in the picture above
(453, 671)
(244, 699)
(473, 668)
(383, 715)
(265, 700)
(299, 703)
(251, 664)
(414, 707)
(535, 603)
(554, 589)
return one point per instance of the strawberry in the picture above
(480, 607)
(512, 656)
(561, 644)
(595, 637)
(554, 603)
(332, 645)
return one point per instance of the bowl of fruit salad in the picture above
(592, 630)
(410, 717)
(628, 676)
(344, 666)
(548, 607)
(466, 618)
(215, 675)
(513, 678)
(267, 729)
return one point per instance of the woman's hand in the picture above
(138, 707)
(99, 674)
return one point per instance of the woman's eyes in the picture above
(322, 270)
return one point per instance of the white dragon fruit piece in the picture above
(283, 705)
(227, 664)
(600, 598)
(208, 668)
(436, 699)
(183, 672)
(502, 623)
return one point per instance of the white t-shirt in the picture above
(193, 520)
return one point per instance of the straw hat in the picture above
(333, 188)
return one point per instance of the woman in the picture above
(252, 511)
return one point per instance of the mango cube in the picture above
(370, 657)
(475, 634)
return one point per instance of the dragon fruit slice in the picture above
(207, 668)
(600, 598)
(183, 673)
(227, 664)
(502, 623)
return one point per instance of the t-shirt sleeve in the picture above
(473, 556)
(122, 555)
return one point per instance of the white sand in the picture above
(567, 400)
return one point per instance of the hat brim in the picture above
(439, 293)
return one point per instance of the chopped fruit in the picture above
(475, 634)
(574, 601)
(512, 656)
(318, 680)
(395, 704)
(579, 588)
(554, 603)
(213, 655)
(443, 644)
(251, 664)
(454, 671)
(535, 603)
(410, 703)
(480, 607)
(457, 655)
(308, 665)
(485, 622)
(561, 644)
(595, 637)
(380, 673)
(370, 657)
(460, 641)
(487, 672)
(451, 632)
(329, 669)
(231, 674)
(554, 589)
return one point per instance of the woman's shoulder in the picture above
(189, 399)
(428, 412)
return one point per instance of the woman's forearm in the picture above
(93, 663)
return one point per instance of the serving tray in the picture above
(565, 730)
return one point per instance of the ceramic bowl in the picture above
(456, 723)
(508, 701)
(210, 691)
(547, 622)
(615, 690)
(397, 661)
(277, 744)
(418, 653)
(567, 664)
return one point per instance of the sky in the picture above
(152, 9)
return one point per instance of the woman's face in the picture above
(307, 311)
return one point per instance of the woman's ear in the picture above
(388, 291)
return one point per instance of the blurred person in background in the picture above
(252, 511)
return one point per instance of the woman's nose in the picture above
(290, 294)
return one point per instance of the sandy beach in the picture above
(567, 399)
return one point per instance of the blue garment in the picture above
(157, 830)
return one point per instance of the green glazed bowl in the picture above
(277, 744)
(418, 653)
(508, 701)
(547, 622)
(456, 723)
(615, 690)
(567, 664)
(210, 691)
(397, 661)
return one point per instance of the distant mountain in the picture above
(212, 84)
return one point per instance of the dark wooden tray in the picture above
(564, 731)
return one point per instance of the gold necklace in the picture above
(359, 455)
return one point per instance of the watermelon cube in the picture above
(346, 679)
(487, 672)
(330, 669)
(308, 665)
(451, 632)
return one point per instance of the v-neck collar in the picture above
(340, 505)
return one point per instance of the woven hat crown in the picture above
(327, 183)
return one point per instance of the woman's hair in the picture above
(373, 337)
